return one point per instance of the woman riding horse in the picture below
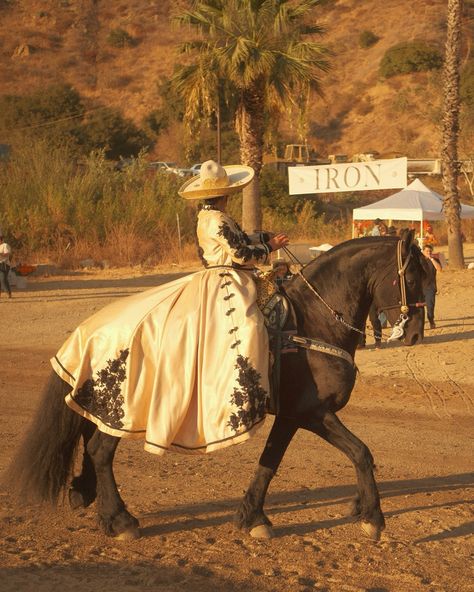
(184, 366)
(202, 336)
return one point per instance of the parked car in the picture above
(192, 171)
(167, 167)
(195, 169)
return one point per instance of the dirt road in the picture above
(414, 408)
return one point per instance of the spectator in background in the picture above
(392, 231)
(379, 229)
(376, 323)
(429, 237)
(5, 254)
(430, 287)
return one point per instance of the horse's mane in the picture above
(346, 247)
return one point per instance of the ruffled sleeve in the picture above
(243, 249)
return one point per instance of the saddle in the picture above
(280, 322)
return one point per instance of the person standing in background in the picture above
(379, 229)
(430, 288)
(5, 254)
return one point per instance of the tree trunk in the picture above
(449, 151)
(250, 127)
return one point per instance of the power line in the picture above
(52, 121)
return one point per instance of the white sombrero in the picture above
(215, 180)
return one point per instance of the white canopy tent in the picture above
(415, 203)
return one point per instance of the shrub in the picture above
(120, 38)
(367, 39)
(415, 56)
(274, 192)
(37, 111)
(51, 206)
(56, 101)
(107, 129)
(57, 113)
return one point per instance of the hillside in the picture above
(67, 40)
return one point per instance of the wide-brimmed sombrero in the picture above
(215, 180)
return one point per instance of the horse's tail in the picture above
(41, 468)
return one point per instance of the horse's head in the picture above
(399, 293)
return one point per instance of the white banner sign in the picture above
(351, 176)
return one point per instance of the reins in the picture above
(401, 272)
(337, 316)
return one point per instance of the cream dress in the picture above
(184, 365)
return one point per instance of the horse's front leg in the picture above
(367, 504)
(250, 515)
(113, 515)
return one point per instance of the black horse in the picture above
(331, 299)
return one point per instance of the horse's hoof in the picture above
(263, 531)
(372, 531)
(76, 499)
(129, 535)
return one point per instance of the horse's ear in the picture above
(408, 238)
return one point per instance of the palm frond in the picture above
(190, 47)
(299, 10)
(252, 45)
(312, 29)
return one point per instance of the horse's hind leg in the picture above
(367, 505)
(83, 490)
(250, 515)
(113, 515)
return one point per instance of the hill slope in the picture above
(67, 40)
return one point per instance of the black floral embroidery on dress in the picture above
(249, 397)
(239, 241)
(102, 397)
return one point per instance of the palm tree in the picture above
(260, 53)
(449, 150)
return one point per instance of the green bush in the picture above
(107, 129)
(59, 102)
(367, 39)
(50, 204)
(415, 56)
(120, 38)
(57, 114)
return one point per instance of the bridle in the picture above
(398, 329)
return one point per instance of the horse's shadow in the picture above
(458, 319)
(303, 499)
(442, 337)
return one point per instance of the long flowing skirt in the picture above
(183, 366)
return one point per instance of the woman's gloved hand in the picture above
(278, 241)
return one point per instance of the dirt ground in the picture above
(413, 407)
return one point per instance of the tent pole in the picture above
(421, 231)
